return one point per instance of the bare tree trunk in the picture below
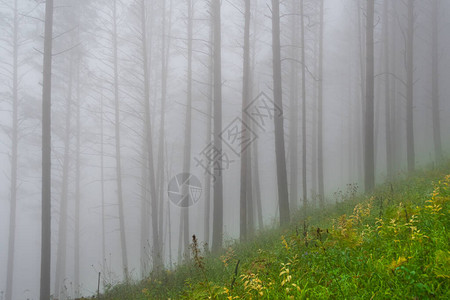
(145, 195)
(257, 186)
(188, 126)
(218, 183)
(302, 37)
(395, 140)
(320, 113)
(314, 150)
(283, 198)
(102, 187)
(293, 117)
(254, 146)
(62, 226)
(14, 158)
(361, 135)
(156, 255)
(369, 164)
(209, 112)
(435, 83)
(387, 92)
(123, 242)
(145, 223)
(46, 154)
(77, 190)
(165, 55)
(245, 183)
(410, 152)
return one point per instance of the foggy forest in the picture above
(128, 126)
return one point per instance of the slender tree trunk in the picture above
(435, 83)
(156, 256)
(62, 226)
(145, 224)
(361, 135)
(257, 186)
(46, 154)
(218, 183)
(165, 55)
(369, 164)
(254, 146)
(245, 184)
(209, 133)
(304, 167)
(123, 242)
(410, 151)
(188, 126)
(102, 187)
(320, 113)
(14, 158)
(293, 117)
(77, 190)
(249, 181)
(387, 91)
(169, 227)
(314, 150)
(145, 195)
(283, 198)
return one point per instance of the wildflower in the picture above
(285, 244)
(397, 263)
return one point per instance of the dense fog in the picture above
(216, 118)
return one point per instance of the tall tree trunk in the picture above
(62, 226)
(254, 146)
(283, 198)
(188, 126)
(145, 224)
(14, 158)
(123, 242)
(245, 171)
(165, 55)
(209, 133)
(435, 83)
(320, 113)
(387, 92)
(145, 195)
(395, 141)
(218, 183)
(257, 186)
(293, 116)
(314, 150)
(410, 151)
(361, 120)
(369, 164)
(102, 187)
(46, 154)
(302, 37)
(77, 190)
(156, 256)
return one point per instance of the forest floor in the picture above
(391, 244)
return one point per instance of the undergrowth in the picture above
(392, 244)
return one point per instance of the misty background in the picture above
(100, 95)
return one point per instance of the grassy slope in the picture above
(393, 244)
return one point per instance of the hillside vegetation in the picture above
(392, 244)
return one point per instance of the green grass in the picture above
(392, 244)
